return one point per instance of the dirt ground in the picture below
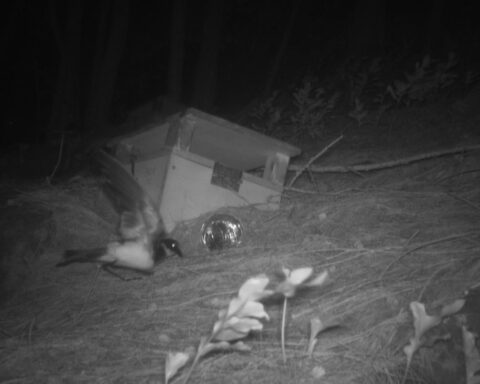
(386, 238)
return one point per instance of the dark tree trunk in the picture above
(109, 49)
(177, 51)
(65, 103)
(435, 33)
(8, 27)
(367, 33)
(281, 49)
(205, 86)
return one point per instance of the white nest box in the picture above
(194, 163)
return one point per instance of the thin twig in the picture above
(457, 175)
(30, 330)
(282, 336)
(59, 159)
(299, 190)
(468, 202)
(430, 279)
(409, 240)
(300, 170)
(427, 244)
(92, 288)
(384, 165)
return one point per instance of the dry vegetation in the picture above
(387, 239)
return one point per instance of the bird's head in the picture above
(173, 246)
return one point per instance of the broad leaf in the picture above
(422, 322)
(254, 288)
(299, 275)
(174, 362)
(318, 280)
(452, 308)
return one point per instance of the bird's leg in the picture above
(108, 268)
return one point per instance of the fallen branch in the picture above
(300, 170)
(375, 167)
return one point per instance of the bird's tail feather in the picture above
(81, 256)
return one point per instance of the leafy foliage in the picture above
(303, 112)
(244, 314)
(363, 89)
(312, 105)
(423, 323)
(428, 77)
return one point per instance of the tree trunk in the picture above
(177, 51)
(8, 27)
(109, 50)
(435, 33)
(367, 33)
(281, 49)
(65, 103)
(204, 92)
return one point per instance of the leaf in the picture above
(299, 275)
(316, 326)
(240, 308)
(422, 321)
(254, 288)
(253, 309)
(411, 348)
(286, 289)
(452, 308)
(318, 280)
(311, 346)
(222, 314)
(472, 357)
(244, 324)
(241, 347)
(174, 362)
(318, 372)
(217, 326)
(230, 334)
(209, 347)
(235, 306)
(236, 328)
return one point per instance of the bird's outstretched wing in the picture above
(138, 213)
(143, 238)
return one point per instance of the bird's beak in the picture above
(178, 251)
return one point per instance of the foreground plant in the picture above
(422, 323)
(242, 316)
(428, 77)
(298, 278)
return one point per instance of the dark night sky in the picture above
(251, 34)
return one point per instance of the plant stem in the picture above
(194, 363)
(284, 316)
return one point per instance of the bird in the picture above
(143, 241)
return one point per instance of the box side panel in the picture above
(188, 193)
(151, 175)
(231, 144)
(144, 145)
(264, 197)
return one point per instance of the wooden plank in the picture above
(276, 168)
(231, 144)
(208, 136)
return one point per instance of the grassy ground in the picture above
(386, 238)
